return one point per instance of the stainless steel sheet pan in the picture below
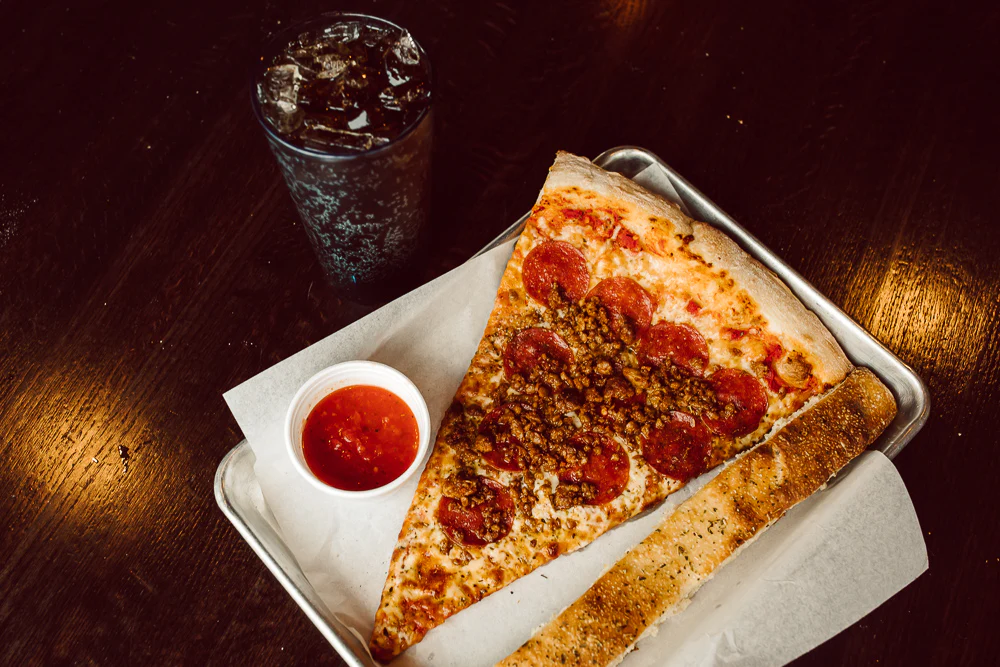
(238, 493)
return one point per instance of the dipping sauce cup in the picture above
(352, 428)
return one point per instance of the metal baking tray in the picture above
(239, 496)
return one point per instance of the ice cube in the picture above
(395, 68)
(400, 59)
(389, 100)
(406, 49)
(282, 84)
(279, 97)
(343, 32)
(330, 66)
(374, 36)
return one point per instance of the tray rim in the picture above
(891, 448)
(235, 516)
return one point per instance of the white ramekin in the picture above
(344, 375)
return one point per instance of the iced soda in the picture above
(345, 102)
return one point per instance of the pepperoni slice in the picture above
(627, 240)
(742, 401)
(681, 344)
(506, 453)
(526, 349)
(680, 448)
(607, 467)
(480, 523)
(555, 262)
(625, 299)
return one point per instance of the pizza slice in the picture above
(629, 350)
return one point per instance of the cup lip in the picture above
(354, 373)
(283, 36)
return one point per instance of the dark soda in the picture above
(345, 102)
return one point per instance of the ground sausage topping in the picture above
(586, 376)
(475, 511)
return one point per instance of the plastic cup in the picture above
(365, 212)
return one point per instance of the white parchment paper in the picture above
(830, 561)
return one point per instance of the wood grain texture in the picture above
(150, 258)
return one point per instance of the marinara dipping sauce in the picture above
(359, 438)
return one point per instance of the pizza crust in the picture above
(783, 310)
(661, 573)
(573, 171)
(785, 314)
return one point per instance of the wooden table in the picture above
(150, 259)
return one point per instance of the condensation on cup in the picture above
(345, 101)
